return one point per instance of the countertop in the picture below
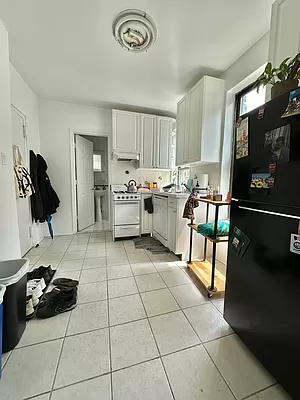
(167, 194)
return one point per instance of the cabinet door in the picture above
(164, 222)
(163, 143)
(157, 218)
(193, 139)
(181, 131)
(146, 218)
(125, 131)
(147, 139)
(172, 219)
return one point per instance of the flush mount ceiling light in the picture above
(134, 30)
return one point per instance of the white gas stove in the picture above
(126, 212)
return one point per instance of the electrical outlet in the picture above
(3, 158)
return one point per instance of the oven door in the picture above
(127, 213)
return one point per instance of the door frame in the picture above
(73, 172)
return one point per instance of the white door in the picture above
(163, 143)
(23, 205)
(181, 131)
(85, 183)
(125, 131)
(172, 219)
(148, 132)
(193, 139)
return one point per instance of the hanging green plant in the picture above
(283, 79)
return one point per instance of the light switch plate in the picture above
(3, 158)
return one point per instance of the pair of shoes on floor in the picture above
(29, 307)
(35, 289)
(41, 272)
(61, 299)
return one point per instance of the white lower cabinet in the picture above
(160, 218)
(172, 221)
(146, 218)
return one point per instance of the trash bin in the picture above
(13, 276)
(2, 291)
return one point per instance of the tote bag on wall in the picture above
(23, 183)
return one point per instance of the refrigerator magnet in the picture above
(261, 112)
(271, 182)
(242, 146)
(272, 168)
(295, 244)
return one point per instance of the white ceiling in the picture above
(65, 50)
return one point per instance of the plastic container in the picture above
(2, 291)
(13, 276)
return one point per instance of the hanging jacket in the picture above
(190, 204)
(49, 197)
(36, 199)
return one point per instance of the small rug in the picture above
(150, 243)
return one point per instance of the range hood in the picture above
(123, 156)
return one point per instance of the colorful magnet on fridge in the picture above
(261, 112)
(238, 122)
(272, 168)
(271, 182)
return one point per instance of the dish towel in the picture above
(148, 204)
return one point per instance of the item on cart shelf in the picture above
(208, 228)
(41, 272)
(65, 282)
(218, 197)
(64, 300)
(29, 307)
(190, 204)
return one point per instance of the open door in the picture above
(85, 183)
(23, 205)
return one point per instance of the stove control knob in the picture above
(123, 197)
(135, 197)
(131, 197)
(118, 197)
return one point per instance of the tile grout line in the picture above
(160, 356)
(62, 346)
(260, 391)
(109, 335)
(223, 377)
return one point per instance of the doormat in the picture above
(149, 243)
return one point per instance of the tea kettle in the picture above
(131, 186)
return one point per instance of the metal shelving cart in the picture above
(212, 279)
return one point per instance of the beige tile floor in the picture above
(141, 331)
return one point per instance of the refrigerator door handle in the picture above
(270, 212)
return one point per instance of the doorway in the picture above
(23, 205)
(91, 182)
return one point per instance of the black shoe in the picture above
(65, 282)
(63, 301)
(47, 296)
(41, 272)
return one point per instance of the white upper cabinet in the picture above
(125, 127)
(155, 141)
(181, 130)
(147, 140)
(199, 118)
(285, 30)
(163, 143)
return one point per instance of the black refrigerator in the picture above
(262, 299)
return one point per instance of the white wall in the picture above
(26, 101)
(56, 121)
(9, 233)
